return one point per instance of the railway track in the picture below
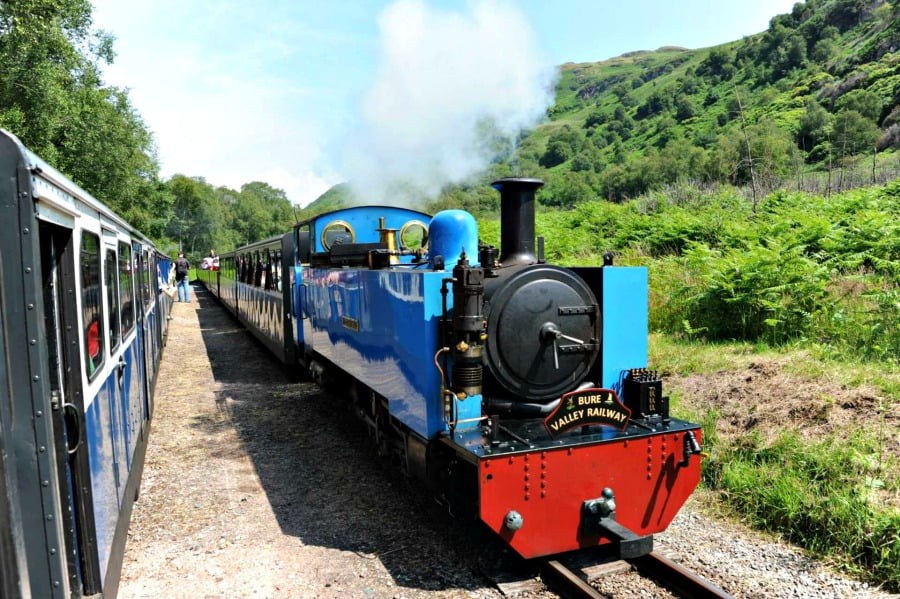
(665, 572)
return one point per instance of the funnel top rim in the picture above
(528, 181)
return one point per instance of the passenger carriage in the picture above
(83, 323)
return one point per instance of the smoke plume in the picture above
(450, 87)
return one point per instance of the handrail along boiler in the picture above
(518, 390)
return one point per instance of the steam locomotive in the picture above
(83, 324)
(516, 389)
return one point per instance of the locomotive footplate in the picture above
(518, 436)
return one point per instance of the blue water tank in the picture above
(450, 233)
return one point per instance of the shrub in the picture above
(767, 291)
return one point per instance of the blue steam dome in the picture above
(450, 233)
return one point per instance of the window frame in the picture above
(92, 301)
(113, 301)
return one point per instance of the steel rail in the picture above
(676, 578)
(565, 582)
(663, 571)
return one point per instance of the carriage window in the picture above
(91, 304)
(126, 288)
(268, 282)
(145, 280)
(112, 299)
(258, 270)
(276, 270)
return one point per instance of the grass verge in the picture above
(825, 477)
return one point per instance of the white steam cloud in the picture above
(450, 85)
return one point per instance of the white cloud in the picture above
(301, 186)
(217, 107)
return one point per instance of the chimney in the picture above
(517, 219)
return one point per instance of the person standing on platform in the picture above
(182, 279)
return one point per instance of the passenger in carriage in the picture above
(165, 286)
(211, 262)
(93, 346)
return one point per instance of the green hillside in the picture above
(810, 103)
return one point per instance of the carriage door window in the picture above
(91, 304)
(276, 270)
(145, 280)
(112, 299)
(126, 288)
(267, 270)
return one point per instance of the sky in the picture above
(304, 94)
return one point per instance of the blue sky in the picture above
(303, 94)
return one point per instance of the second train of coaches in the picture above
(516, 389)
(83, 324)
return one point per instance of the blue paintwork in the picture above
(397, 312)
(135, 406)
(364, 220)
(99, 423)
(298, 306)
(113, 421)
(450, 233)
(624, 304)
(382, 326)
(165, 265)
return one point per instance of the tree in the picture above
(595, 118)
(826, 46)
(570, 189)
(557, 153)
(194, 212)
(854, 133)
(764, 147)
(681, 160)
(659, 101)
(562, 145)
(815, 125)
(844, 14)
(684, 108)
(52, 98)
(863, 101)
(588, 159)
(718, 63)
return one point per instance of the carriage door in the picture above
(143, 347)
(67, 403)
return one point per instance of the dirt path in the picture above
(255, 487)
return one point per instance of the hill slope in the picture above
(819, 87)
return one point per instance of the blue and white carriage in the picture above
(83, 324)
